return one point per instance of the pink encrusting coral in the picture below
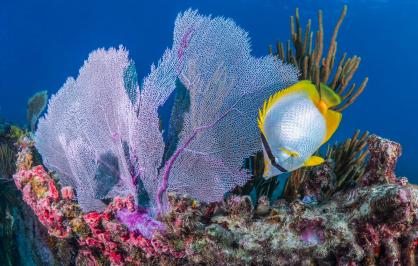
(123, 240)
(121, 233)
(113, 233)
(41, 194)
(67, 193)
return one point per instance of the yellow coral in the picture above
(38, 188)
(15, 132)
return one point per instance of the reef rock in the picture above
(372, 223)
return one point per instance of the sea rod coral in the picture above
(307, 52)
(102, 135)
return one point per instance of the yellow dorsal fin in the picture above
(304, 86)
(329, 96)
(332, 120)
(313, 160)
(290, 153)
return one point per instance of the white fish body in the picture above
(295, 123)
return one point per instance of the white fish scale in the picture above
(296, 124)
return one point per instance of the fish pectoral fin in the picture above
(313, 160)
(329, 96)
(266, 167)
(290, 153)
(332, 120)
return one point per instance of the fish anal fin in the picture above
(302, 86)
(313, 160)
(332, 120)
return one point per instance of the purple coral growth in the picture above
(139, 220)
(312, 234)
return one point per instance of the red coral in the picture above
(115, 258)
(53, 190)
(67, 193)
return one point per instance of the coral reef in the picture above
(372, 222)
(118, 193)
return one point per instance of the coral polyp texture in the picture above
(373, 222)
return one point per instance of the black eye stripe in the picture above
(270, 154)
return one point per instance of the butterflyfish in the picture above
(294, 123)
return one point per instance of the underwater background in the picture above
(44, 42)
(146, 193)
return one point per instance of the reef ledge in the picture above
(373, 222)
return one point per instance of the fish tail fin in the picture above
(332, 121)
(329, 98)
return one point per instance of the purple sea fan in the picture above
(226, 86)
(104, 139)
(90, 134)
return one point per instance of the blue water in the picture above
(44, 42)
